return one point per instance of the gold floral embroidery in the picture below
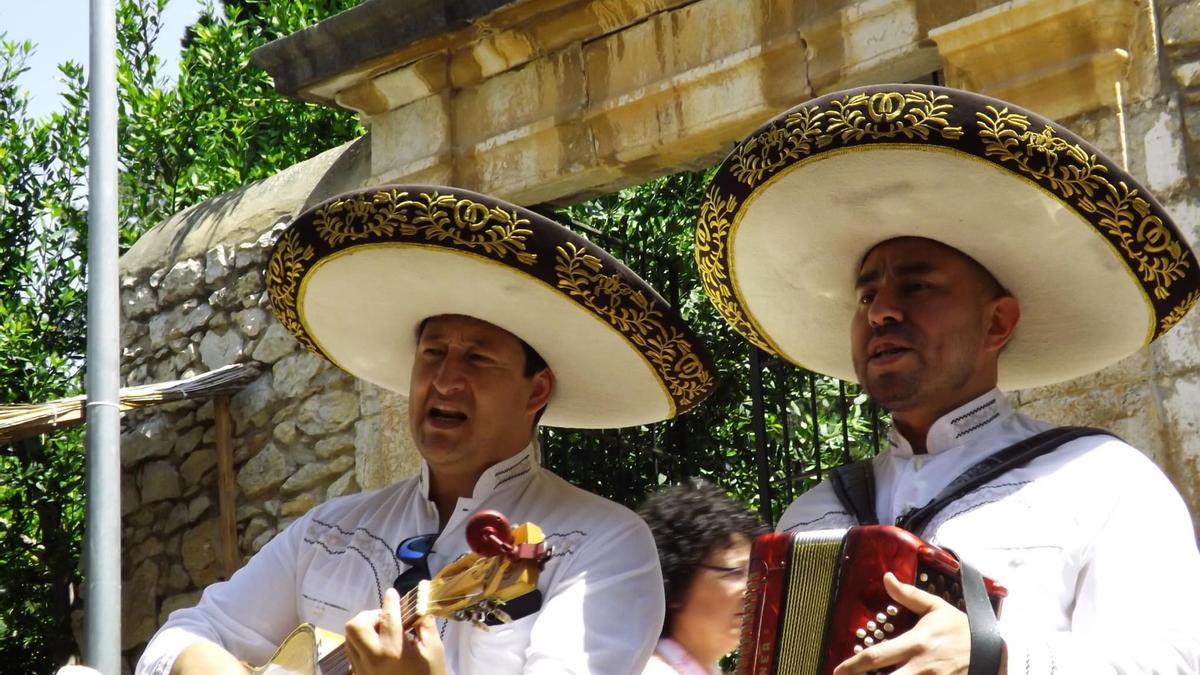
(1068, 168)
(712, 236)
(436, 217)
(1072, 172)
(890, 114)
(1176, 315)
(633, 313)
(284, 271)
(357, 218)
(778, 145)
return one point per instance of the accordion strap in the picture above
(854, 484)
(987, 645)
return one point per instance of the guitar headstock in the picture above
(505, 565)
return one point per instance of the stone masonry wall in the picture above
(303, 430)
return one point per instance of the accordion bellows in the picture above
(815, 599)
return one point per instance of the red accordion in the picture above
(814, 599)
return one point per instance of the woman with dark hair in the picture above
(703, 540)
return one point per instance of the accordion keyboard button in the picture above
(871, 625)
(860, 633)
(880, 617)
(879, 635)
(892, 610)
(890, 628)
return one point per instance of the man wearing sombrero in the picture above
(940, 246)
(491, 319)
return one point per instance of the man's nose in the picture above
(448, 377)
(884, 308)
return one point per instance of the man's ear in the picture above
(543, 389)
(1004, 315)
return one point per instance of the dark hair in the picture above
(688, 521)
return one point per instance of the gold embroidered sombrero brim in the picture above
(353, 277)
(1097, 264)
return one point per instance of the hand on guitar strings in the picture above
(377, 642)
(940, 643)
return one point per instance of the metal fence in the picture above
(771, 432)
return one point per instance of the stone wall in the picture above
(303, 431)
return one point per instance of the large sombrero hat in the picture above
(1098, 266)
(353, 277)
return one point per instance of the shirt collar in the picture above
(679, 659)
(967, 423)
(515, 471)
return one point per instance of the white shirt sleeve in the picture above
(1137, 603)
(248, 615)
(605, 618)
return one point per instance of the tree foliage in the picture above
(217, 127)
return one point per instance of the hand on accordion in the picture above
(939, 644)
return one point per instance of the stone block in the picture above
(139, 594)
(549, 89)
(153, 437)
(1178, 352)
(1181, 24)
(333, 446)
(327, 413)
(248, 287)
(180, 601)
(275, 344)
(1132, 369)
(218, 262)
(285, 432)
(384, 451)
(344, 485)
(1181, 403)
(264, 472)
(130, 499)
(182, 281)
(298, 506)
(260, 541)
(251, 402)
(221, 349)
(197, 507)
(1165, 156)
(310, 475)
(138, 302)
(251, 321)
(195, 317)
(1058, 57)
(1187, 74)
(197, 464)
(159, 481)
(293, 375)
(188, 441)
(147, 549)
(199, 553)
(413, 137)
(177, 578)
(254, 528)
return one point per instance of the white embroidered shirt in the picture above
(1093, 543)
(602, 590)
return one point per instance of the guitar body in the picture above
(301, 652)
(472, 588)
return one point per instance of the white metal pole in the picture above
(102, 555)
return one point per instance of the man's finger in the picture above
(889, 653)
(391, 623)
(911, 597)
(361, 631)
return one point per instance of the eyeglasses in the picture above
(726, 573)
(414, 552)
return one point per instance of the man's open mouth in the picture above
(445, 416)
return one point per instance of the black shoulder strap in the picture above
(1017, 455)
(854, 485)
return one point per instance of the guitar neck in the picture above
(337, 661)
